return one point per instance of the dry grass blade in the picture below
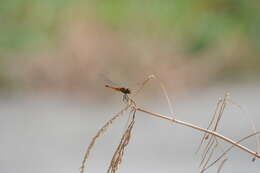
(208, 157)
(100, 132)
(227, 150)
(206, 136)
(221, 165)
(224, 154)
(207, 150)
(251, 121)
(222, 108)
(119, 153)
(208, 147)
(166, 95)
(150, 77)
(212, 142)
(215, 119)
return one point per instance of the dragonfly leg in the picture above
(125, 98)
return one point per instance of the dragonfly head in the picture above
(127, 91)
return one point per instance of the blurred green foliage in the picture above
(200, 22)
(32, 25)
(27, 24)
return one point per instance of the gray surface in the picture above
(48, 134)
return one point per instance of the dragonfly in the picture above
(121, 89)
(125, 90)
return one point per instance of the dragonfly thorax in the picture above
(125, 90)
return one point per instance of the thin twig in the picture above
(200, 129)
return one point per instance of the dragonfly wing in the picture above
(109, 82)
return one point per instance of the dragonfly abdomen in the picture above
(123, 90)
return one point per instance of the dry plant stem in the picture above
(119, 153)
(209, 157)
(166, 95)
(222, 108)
(151, 77)
(207, 149)
(101, 131)
(222, 150)
(201, 129)
(221, 165)
(227, 150)
(217, 144)
(209, 145)
(205, 136)
(251, 121)
(213, 142)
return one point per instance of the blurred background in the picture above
(57, 55)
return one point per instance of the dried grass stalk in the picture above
(213, 143)
(119, 153)
(227, 150)
(206, 135)
(209, 132)
(214, 133)
(99, 133)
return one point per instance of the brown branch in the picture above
(200, 129)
